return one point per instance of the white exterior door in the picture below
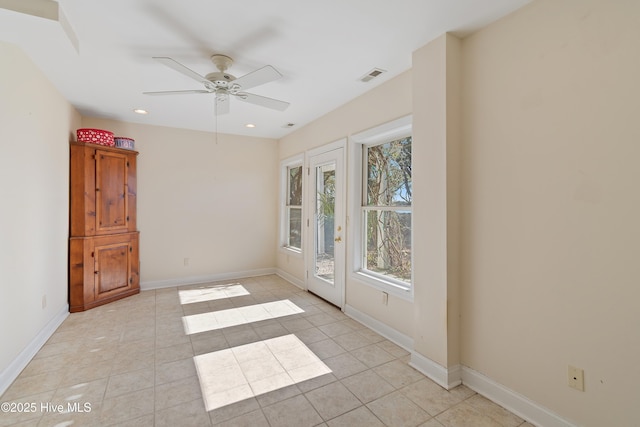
(325, 263)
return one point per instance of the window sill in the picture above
(291, 251)
(383, 285)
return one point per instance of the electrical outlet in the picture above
(186, 262)
(576, 378)
(44, 301)
(385, 298)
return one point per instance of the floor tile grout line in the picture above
(150, 315)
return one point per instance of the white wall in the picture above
(35, 126)
(551, 235)
(382, 104)
(211, 200)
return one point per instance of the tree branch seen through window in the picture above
(387, 209)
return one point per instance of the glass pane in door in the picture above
(324, 228)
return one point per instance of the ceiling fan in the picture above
(224, 86)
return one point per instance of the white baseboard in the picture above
(520, 405)
(291, 279)
(386, 331)
(447, 378)
(9, 375)
(194, 280)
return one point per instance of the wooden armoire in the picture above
(103, 245)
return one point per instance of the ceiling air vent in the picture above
(372, 74)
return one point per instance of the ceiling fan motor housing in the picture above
(219, 78)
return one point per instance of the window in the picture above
(294, 207)
(384, 213)
(386, 209)
(291, 228)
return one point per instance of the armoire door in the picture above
(112, 268)
(111, 192)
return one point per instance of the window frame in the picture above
(283, 244)
(387, 132)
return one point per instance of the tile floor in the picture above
(249, 352)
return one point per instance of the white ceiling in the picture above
(322, 48)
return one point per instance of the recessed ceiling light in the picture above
(140, 111)
(250, 125)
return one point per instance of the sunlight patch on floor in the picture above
(231, 375)
(210, 321)
(211, 293)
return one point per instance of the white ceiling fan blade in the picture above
(258, 77)
(222, 105)
(176, 92)
(172, 63)
(263, 101)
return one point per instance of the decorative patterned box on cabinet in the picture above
(104, 242)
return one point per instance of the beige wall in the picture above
(548, 206)
(551, 235)
(386, 102)
(436, 171)
(35, 126)
(211, 200)
(382, 104)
